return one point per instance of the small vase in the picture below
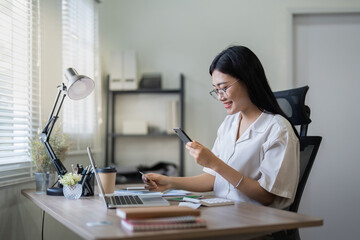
(44, 181)
(73, 191)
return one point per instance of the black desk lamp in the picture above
(78, 87)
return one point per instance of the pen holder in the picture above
(87, 182)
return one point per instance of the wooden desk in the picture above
(240, 221)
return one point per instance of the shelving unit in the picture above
(113, 136)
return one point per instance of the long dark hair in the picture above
(241, 63)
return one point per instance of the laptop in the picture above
(126, 200)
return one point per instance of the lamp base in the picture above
(56, 191)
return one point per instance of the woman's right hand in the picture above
(156, 182)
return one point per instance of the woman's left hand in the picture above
(203, 156)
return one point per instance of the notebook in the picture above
(156, 212)
(163, 223)
(126, 200)
(210, 202)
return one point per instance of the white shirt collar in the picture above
(260, 124)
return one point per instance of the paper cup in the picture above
(108, 178)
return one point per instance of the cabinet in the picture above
(143, 104)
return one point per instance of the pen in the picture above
(143, 176)
(87, 171)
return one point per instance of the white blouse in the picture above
(268, 151)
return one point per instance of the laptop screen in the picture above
(95, 173)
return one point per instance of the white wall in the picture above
(184, 36)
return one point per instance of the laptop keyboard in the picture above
(126, 200)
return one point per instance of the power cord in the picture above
(42, 225)
(43, 216)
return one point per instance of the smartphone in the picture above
(182, 135)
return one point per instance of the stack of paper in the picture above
(171, 193)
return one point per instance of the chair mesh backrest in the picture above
(292, 102)
(309, 146)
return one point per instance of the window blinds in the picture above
(19, 87)
(80, 51)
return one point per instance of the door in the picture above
(327, 58)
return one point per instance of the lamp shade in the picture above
(78, 86)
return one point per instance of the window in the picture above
(19, 87)
(80, 51)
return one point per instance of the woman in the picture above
(255, 157)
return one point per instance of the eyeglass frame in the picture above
(217, 92)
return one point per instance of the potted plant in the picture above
(45, 170)
(71, 187)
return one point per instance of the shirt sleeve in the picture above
(280, 165)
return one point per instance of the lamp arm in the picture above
(54, 118)
(50, 120)
(60, 168)
(45, 134)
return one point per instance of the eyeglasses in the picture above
(220, 92)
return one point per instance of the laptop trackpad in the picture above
(149, 200)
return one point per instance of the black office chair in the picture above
(292, 102)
